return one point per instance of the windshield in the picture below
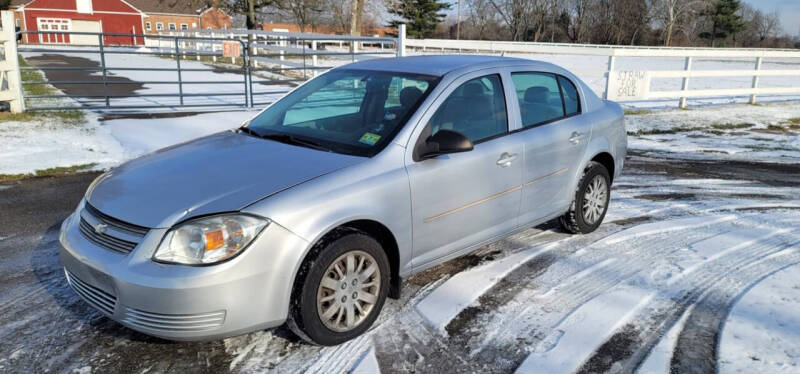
(345, 111)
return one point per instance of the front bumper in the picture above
(177, 302)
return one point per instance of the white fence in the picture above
(287, 50)
(636, 84)
(10, 81)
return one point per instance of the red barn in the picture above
(107, 16)
(112, 16)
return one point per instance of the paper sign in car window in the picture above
(369, 138)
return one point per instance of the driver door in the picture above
(464, 199)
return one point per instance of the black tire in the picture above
(573, 220)
(304, 319)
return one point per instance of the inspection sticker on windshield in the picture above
(369, 138)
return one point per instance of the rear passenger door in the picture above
(555, 140)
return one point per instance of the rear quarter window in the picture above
(572, 102)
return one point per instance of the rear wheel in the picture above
(591, 201)
(341, 291)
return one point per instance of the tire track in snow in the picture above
(628, 348)
(697, 348)
(578, 277)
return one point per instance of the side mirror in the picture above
(444, 142)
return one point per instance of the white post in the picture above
(11, 68)
(687, 66)
(401, 40)
(755, 79)
(198, 45)
(313, 57)
(611, 60)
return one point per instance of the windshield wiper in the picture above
(246, 130)
(293, 140)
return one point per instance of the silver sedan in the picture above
(314, 211)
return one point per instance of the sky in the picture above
(789, 11)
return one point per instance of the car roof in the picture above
(437, 65)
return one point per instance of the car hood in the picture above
(219, 173)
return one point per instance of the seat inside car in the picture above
(472, 111)
(536, 107)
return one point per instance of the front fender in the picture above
(375, 190)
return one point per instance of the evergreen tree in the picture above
(420, 16)
(725, 20)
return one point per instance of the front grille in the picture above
(174, 322)
(113, 222)
(116, 235)
(99, 299)
(105, 240)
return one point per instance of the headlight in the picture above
(209, 240)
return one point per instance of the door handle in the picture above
(506, 159)
(576, 137)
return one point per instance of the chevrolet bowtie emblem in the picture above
(100, 228)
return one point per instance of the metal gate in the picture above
(137, 72)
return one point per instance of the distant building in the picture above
(290, 27)
(111, 16)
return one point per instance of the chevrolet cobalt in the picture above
(313, 212)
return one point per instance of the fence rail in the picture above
(636, 85)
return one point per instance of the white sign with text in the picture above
(628, 85)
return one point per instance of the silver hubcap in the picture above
(348, 291)
(595, 199)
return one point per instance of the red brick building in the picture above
(111, 16)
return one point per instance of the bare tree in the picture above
(672, 12)
(767, 26)
(304, 12)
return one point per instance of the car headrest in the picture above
(473, 89)
(409, 96)
(537, 94)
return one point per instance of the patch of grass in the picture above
(34, 76)
(732, 126)
(51, 172)
(68, 116)
(673, 130)
(636, 112)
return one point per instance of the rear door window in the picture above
(539, 97)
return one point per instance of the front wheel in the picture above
(341, 291)
(591, 200)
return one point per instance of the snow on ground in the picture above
(49, 142)
(463, 289)
(769, 132)
(36, 145)
(762, 333)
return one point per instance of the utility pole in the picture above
(458, 21)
